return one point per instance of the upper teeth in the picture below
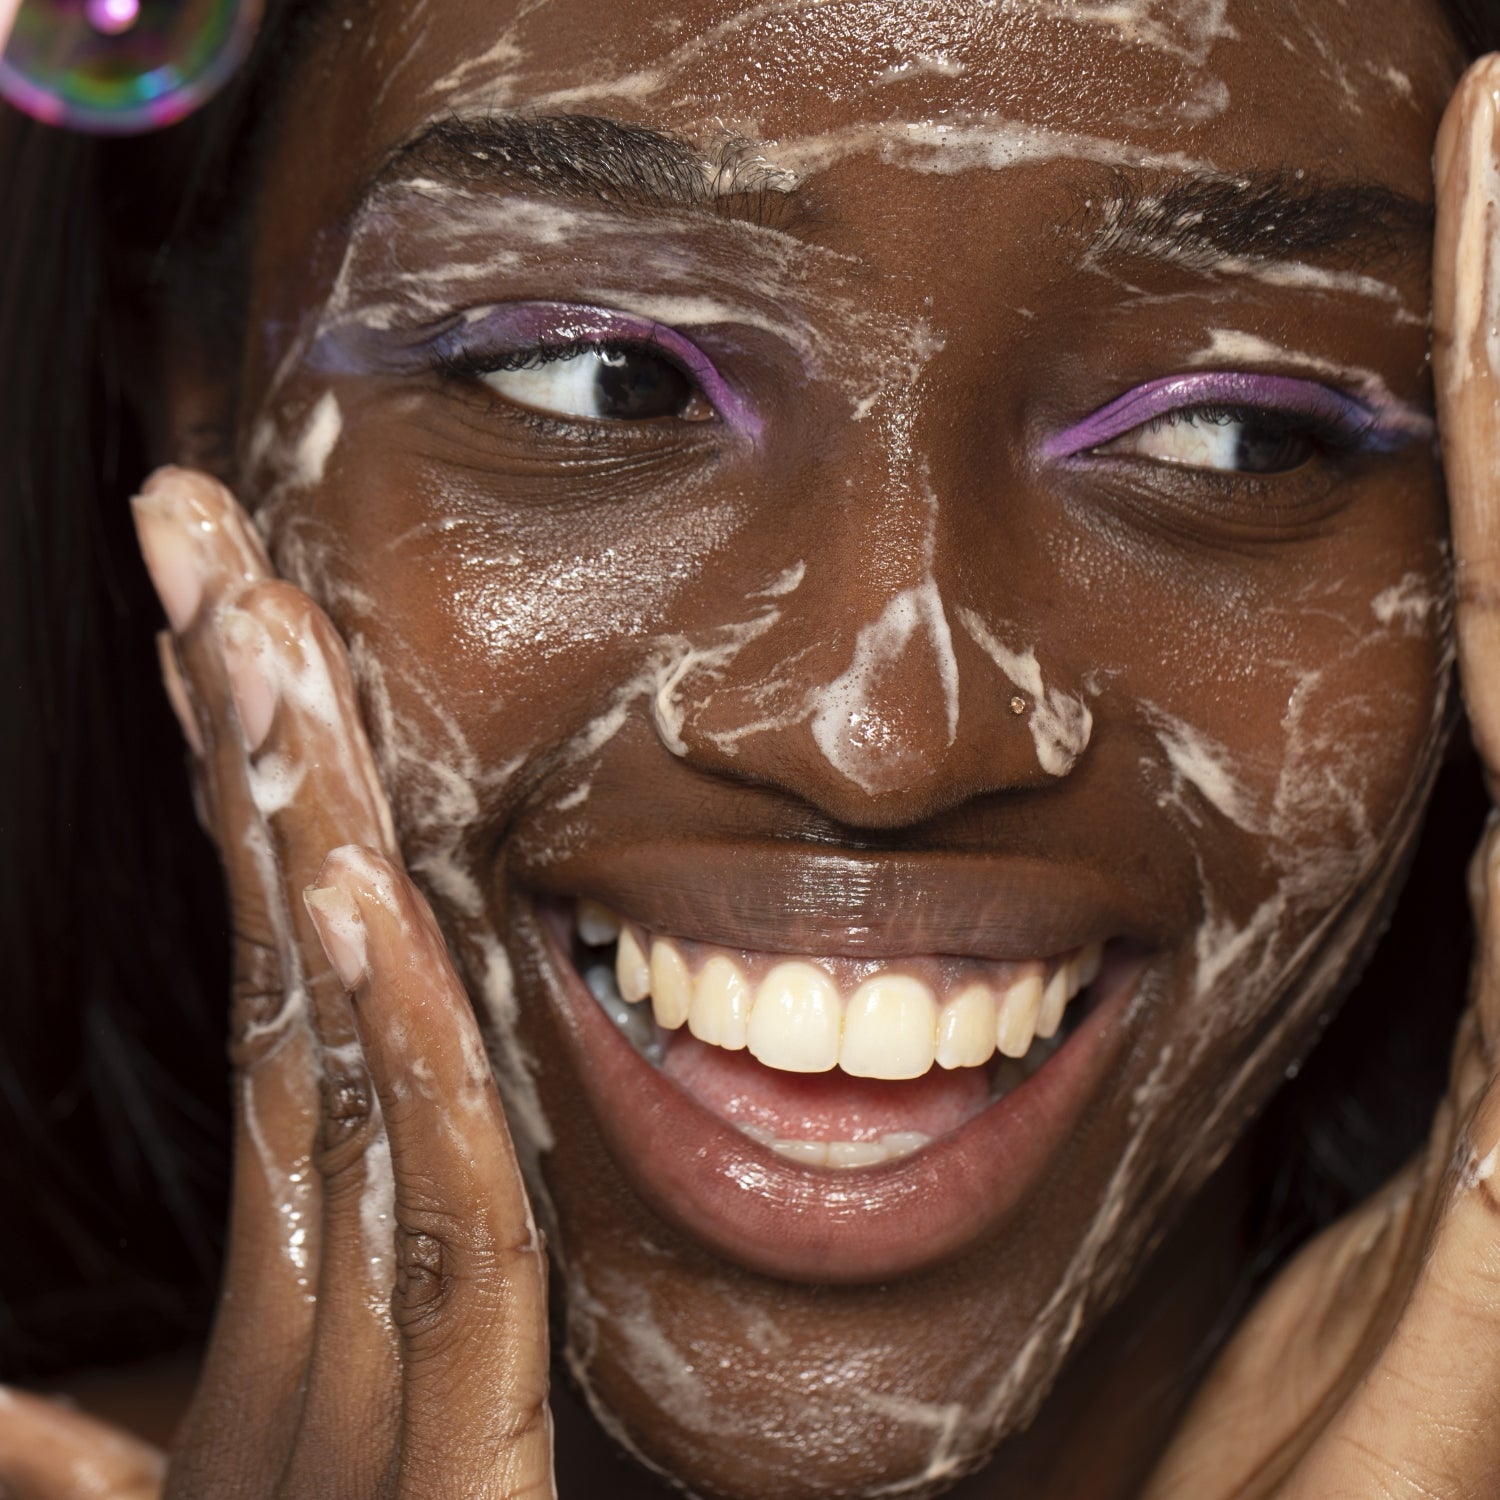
(795, 1015)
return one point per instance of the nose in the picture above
(864, 680)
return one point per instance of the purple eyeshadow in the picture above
(510, 328)
(1366, 427)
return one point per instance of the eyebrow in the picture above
(1200, 220)
(1194, 220)
(620, 165)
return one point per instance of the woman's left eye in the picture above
(1231, 440)
(1236, 422)
(599, 382)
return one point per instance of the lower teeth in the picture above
(842, 1154)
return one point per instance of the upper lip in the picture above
(778, 896)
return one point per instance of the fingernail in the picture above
(248, 659)
(172, 555)
(177, 693)
(341, 930)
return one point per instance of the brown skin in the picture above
(704, 530)
(699, 527)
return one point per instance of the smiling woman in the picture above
(852, 603)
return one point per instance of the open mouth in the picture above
(841, 1118)
(837, 1062)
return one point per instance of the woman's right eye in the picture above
(600, 382)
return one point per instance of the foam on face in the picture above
(1188, 29)
(813, 301)
(442, 789)
(1236, 348)
(318, 440)
(1060, 722)
(985, 143)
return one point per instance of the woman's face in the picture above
(913, 493)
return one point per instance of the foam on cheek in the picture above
(317, 442)
(440, 787)
(1328, 858)
(685, 661)
(295, 461)
(1203, 767)
(1330, 861)
(1411, 603)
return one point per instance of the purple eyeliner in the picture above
(1366, 427)
(510, 328)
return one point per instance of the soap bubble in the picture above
(121, 66)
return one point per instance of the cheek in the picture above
(494, 626)
(1274, 714)
(1298, 832)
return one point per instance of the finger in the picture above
(309, 769)
(1422, 1421)
(49, 1452)
(1466, 366)
(200, 552)
(349, 1423)
(313, 779)
(470, 1299)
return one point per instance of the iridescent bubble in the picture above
(122, 66)
(112, 16)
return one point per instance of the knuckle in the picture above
(1475, 589)
(268, 597)
(257, 961)
(439, 1253)
(424, 1282)
(347, 1120)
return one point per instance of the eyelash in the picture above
(1336, 437)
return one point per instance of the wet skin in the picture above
(1261, 657)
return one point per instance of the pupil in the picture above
(1264, 450)
(635, 387)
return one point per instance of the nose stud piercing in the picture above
(122, 67)
(1018, 704)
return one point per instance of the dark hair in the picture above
(113, 1120)
(113, 1099)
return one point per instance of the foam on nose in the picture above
(831, 1106)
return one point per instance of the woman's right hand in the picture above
(381, 1329)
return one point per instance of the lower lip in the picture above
(759, 1211)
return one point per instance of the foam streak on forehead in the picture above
(950, 43)
(971, 143)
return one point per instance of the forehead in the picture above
(941, 84)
